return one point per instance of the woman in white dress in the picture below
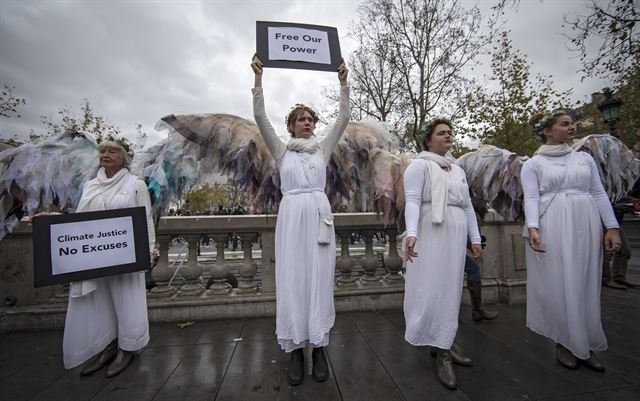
(439, 217)
(305, 238)
(107, 317)
(565, 207)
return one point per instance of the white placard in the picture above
(299, 44)
(92, 244)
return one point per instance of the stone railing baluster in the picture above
(369, 261)
(219, 270)
(344, 264)
(248, 268)
(393, 261)
(192, 271)
(162, 273)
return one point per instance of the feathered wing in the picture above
(43, 176)
(618, 167)
(201, 144)
(358, 174)
(493, 175)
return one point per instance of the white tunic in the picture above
(564, 198)
(433, 284)
(304, 268)
(117, 307)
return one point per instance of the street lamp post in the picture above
(610, 109)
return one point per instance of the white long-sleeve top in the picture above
(544, 177)
(278, 147)
(417, 190)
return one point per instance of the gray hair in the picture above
(107, 144)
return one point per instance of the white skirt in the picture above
(305, 273)
(564, 283)
(117, 308)
(433, 283)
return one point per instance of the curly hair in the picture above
(542, 121)
(426, 132)
(295, 111)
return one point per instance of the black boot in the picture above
(100, 360)
(475, 294)
(320, 367)
(123, 359)
(444, 366)
(295, 374)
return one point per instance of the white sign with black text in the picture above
(298, 44)
(86, 245)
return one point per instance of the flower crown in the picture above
(546, 119)
(295, 106)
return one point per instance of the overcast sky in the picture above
(136, 61)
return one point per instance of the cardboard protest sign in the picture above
(84, 246)
(300, 46)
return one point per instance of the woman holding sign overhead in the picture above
(305, 238)
(107, 317)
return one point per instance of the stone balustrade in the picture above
(197, 287)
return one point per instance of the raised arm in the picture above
(275, 145)
(329, 142)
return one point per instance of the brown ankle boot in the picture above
(97, 362)
(565, 357)
(123, 359)
(593, 362)
(456, 356)
(444, 366)
(475, 294)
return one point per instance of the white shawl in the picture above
(439, 183)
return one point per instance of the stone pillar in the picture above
(162, 273)
(267, 240)
(248, 268)
(344, 262)
(369, 261)
(219, 270)
(192, 271)
(393, 261)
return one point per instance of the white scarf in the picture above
(554, 150)
(95, 195)
(439, 183)
(307, 145)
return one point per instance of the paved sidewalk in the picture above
(240, 360)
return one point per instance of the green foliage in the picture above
(410, 62)
(612, 24)
(628, 90)
(208, 197)
(89, 122)
(9, 102)
(500, 116)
